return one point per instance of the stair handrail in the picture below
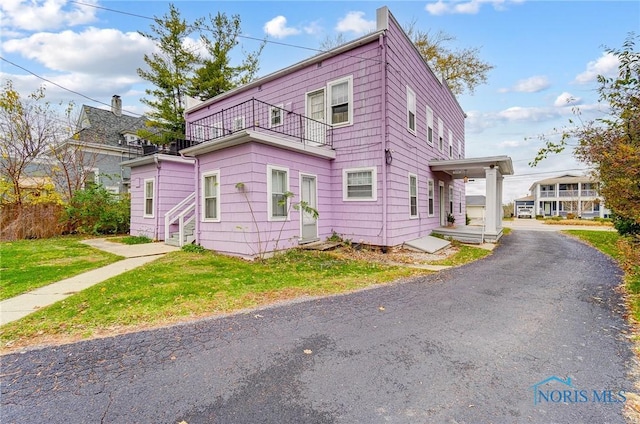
(188, 202)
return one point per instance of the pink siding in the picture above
(236, 233)
(375, 126)
(173, 182)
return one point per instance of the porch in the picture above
(473, 234)
(492, 169)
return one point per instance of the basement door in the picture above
(309, 195)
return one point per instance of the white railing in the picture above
(178, 213)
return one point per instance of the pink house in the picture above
(366, 134)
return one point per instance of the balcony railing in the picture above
(260, 116)
(547, 194)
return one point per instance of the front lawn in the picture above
(183, 285)
(29, 264)
(626, 251)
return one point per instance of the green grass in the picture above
(29, 264)
(626, 251)
(604, 241)
(185, 284)
(465, 255)
(132, 240)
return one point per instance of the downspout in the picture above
(385, 135)
(157, 197)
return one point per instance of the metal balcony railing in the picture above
(261, 116)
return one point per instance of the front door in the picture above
(308, 195)
(443, 209)
(316, 132)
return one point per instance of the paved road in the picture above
(465, 345)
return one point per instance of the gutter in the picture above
(385, 142)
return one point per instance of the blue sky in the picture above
(544, 53)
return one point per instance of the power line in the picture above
(62, 87)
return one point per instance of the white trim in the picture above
(429, 125)
(238, 123)
(153, 198)
(431, 184)
(270, 217)
(374, 184)
(459, 149)
(329, 116)
(315, 177)
(204, 218)
(412, 108)
(442, 209)
(417, 215)
(279, 107)
(451, 199)
(440, 135)
(450, 144)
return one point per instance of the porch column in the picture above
(491, 204)
(500, 215)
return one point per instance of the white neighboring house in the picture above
(568, 194)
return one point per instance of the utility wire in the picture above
(62, 87)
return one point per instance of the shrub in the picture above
(193, 248)
(625, 226)
(94, 210)
(571, 216)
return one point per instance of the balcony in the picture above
(264, 117)
(547, 194)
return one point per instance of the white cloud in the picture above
(105, 52)
(535, 114)
(531, 85)
(606, 65)
(277, 28)
(355, 22)
(39, 15)
(472, 7)
(313, 28)
(567, 99)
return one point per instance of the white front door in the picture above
(308, 195)
(315, 128)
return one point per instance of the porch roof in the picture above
(472, 167)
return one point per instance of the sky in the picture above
(546, 57)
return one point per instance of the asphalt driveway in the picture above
(466, 345)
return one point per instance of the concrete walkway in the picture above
(135, 255)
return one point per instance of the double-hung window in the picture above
(451, 199)
(431, 207)
(278, 188)
(450, 144)
(149, 197)
(340, 101)
(429, 126)
(211, 196)
(413, 195)
(411, 110)
(359, 184)
(275, 116)
(440, 135)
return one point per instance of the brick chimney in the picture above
(116, 105)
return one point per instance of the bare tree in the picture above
(27, 127)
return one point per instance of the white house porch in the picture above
(492, 169)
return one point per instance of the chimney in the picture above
(116, 105)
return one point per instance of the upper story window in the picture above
(429, 126)
(411, 110)
(340, 101)
(450, 144)
(359, 184)
(440, 135)
(238, 123)
(275, 116)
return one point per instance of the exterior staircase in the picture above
(182, 218)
